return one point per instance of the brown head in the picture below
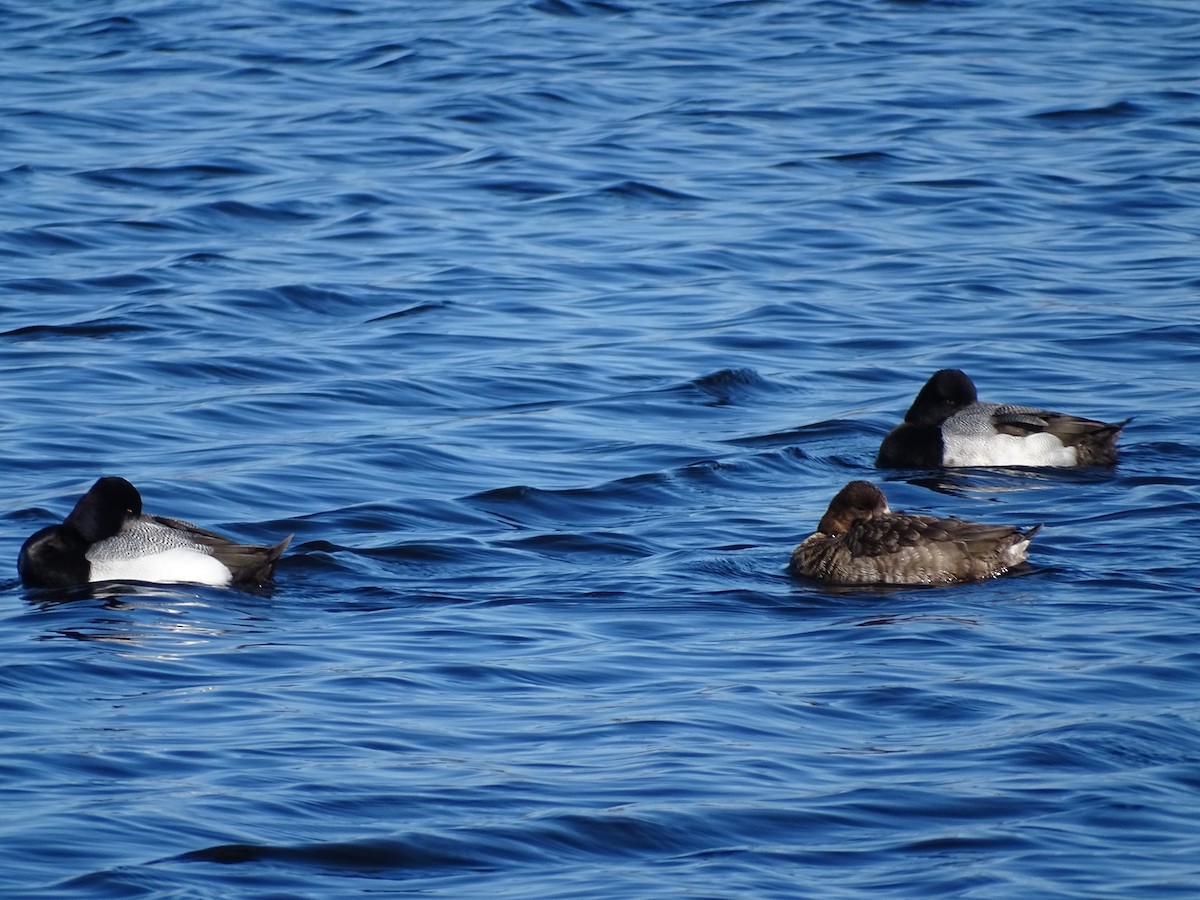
(857, 502)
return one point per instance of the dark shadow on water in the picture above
(113, 593)
(973, 481)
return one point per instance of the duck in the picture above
(947, 426)
(860, 541)
(107, 537)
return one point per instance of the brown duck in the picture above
(861, 541)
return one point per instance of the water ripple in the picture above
(549, 329)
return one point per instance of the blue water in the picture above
(549, 328)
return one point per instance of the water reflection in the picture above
(131, 613)
(973, 482)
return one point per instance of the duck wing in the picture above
(1024, 420)
(247, 563)
(914, 549)
(896, 532)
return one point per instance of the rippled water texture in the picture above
(549, 328)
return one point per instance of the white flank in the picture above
(1006, 450)
(173, 566)
(970, 439)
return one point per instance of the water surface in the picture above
(549, 328)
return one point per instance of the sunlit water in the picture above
(549, 328)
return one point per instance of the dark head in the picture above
(945, 393)
(857, 502)
(101, 512)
